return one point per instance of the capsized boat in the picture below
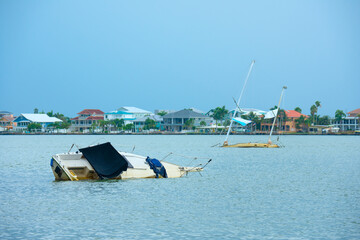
(269, 144)
(103, 161)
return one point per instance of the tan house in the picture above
(288, 126)
(6, 121)
(85, 120)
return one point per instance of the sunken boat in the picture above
(103, 161)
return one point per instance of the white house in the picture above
(26, 118)
(128, 114)
(350, 123)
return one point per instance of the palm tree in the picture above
(300, 122)
(313, 111)
(317, 104)
(339, 116)
(252, 117)
(162, 113)
(219, 113)
(189, 123)
(298, 109)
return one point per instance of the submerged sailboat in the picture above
(103, 161)
(244, 122)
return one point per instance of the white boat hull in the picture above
(74, 166)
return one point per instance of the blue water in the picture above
(308, 190)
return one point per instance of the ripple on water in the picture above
(308, 190)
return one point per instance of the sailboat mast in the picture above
(238, 102)
(272, 127)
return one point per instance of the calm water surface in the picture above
(308, 190)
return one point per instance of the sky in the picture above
(70, 55)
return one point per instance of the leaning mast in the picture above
(272, 127)
(238, 103)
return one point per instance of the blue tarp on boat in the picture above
(157, 167)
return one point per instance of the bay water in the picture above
(310, 189)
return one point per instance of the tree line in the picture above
(219, 114)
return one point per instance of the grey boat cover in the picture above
(106, 161)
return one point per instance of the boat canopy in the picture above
(271, 114)
(241, 121)
(105, 159)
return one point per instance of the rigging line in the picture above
(166, 156)
(194, 158)
(71, 147)
(186, 171)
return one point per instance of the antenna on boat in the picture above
(238, 103)
(272, 127)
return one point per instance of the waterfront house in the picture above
(287, 124)
(6, 121)
(25, 119)
(86, 120)
(139, 123)
(128, 114)
(175, 122)
(350, 123)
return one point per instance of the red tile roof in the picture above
(95, 118)
(91, 112)
(7, 118)
(89, 118)
(294, 114)
(354, 112)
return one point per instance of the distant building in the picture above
(350, 123)
(288, 126)
(25, 119)
(86, 120)
(139, 123)
(5, 113)
(354, 113)
(6, 121)
(128, 114)
(175, 122)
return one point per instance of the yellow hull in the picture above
(252, 145)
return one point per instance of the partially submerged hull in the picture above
(252, 145)
(74, 167)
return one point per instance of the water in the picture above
(308, 190)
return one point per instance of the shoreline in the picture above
(173, 133)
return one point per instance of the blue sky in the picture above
(70, 55)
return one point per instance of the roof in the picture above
(133, 110)
(156, 118)
(197, 110)
(40, 118)
(186, 113)
(95, 118)
(5, 113)
(118, 112)
(354, 112)
(89, 118)
(91, 112)
(7, 118)
(247, 111)
(294, 114)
